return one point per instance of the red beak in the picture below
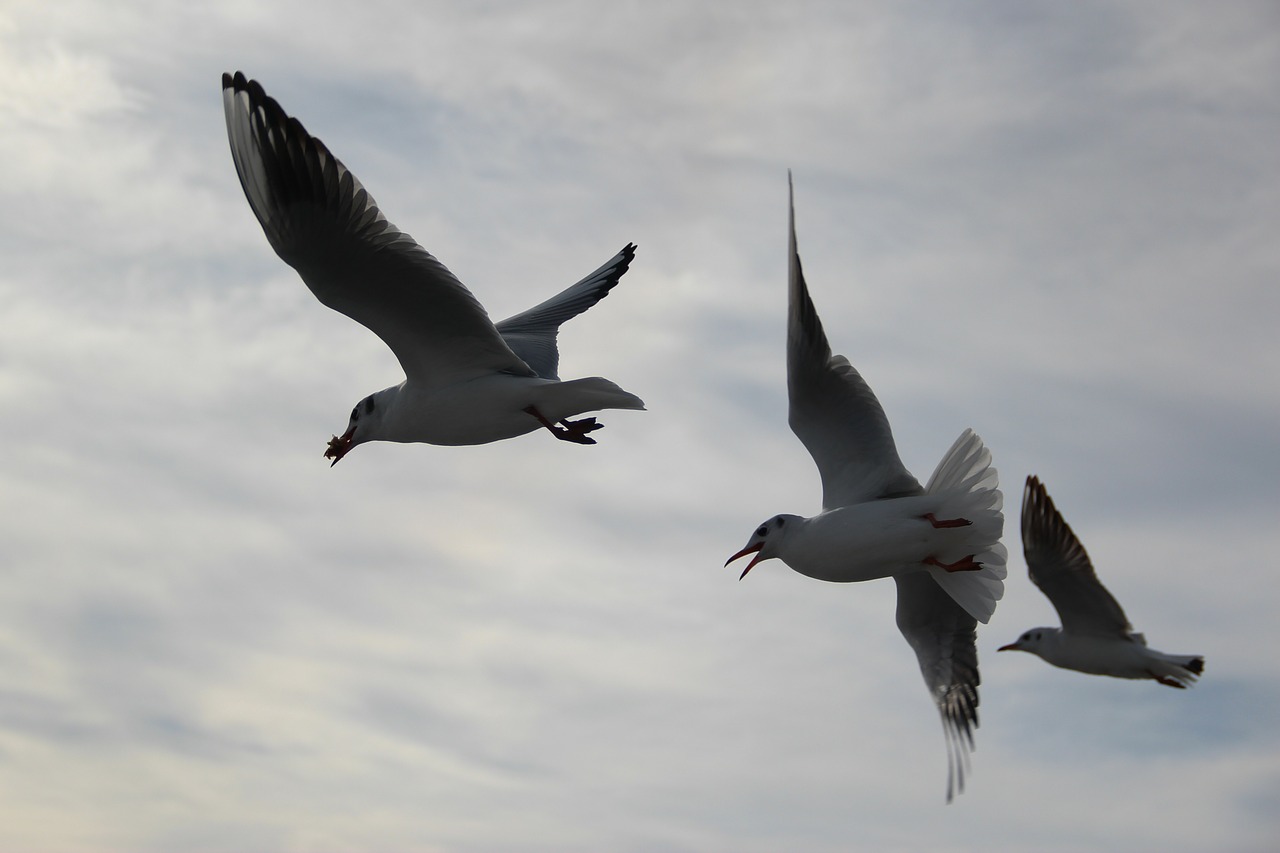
(339, 445)
(750, 549)
(1012, 647)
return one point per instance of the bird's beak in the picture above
(1012, 647)
(339, 445)
(744, 552)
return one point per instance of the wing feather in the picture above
(944, 638)
(833, 411)
(532, 334)
(321, 221)
(1060, 566)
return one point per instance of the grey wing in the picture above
(833, 411)
(1060, 566)
(532, 334)
(321, 221)
(944, 638)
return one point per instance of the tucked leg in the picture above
(946, 522)
(575, 431)
(966, 564)
(1167, 681)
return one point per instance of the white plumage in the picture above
(467, 380)
(940, 543)
(1095, 636)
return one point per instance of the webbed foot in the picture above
(965, 564)
(575, 431)
(945, 522)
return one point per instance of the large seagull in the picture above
(467, 380)
(940, 543)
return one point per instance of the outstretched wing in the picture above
(322, 222)
(833, 411)
(944, 638)
(532, 334)
(1060, 566)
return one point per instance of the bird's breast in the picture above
(478, 411)
(866, 541)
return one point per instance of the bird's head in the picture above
(1031, 641)
(363, 426)
(766, 542)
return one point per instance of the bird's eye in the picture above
(762, 531)
(355, 413)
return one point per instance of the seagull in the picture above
(467, 381)
(939, 543)
(1095, 636)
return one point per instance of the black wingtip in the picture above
(237, 81)
(1038, 512)
(805, 330)
(628, 254)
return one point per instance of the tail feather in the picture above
(1177, 670)
(592, 394)
(972, 485)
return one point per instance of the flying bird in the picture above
(1095, 636)
(467, 381)
(940, 543)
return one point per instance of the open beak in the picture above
(1012, 647)
(339, 445)
(750, 549)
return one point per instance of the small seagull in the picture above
(467, 381)
(940, 543)
(1095, 636)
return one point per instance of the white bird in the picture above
(1095, 636)
(467, 381)
(939, 543)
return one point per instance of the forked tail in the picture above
(972, 488)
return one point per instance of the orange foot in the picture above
(1167, 681)
(946, 522)
(966, 564)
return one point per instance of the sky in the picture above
(1053, 223)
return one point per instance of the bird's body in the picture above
(866, 541)
(1096, 637)
(488, 408)
(939, 542)
(467, 380)
(1118, 657)
(883, 538)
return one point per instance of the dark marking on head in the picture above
(368, 405)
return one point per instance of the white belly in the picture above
(477, 412)
(876, 540)
(1102, 656)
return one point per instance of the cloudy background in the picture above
(1055, 223)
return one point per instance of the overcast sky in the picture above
(1054, 223)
